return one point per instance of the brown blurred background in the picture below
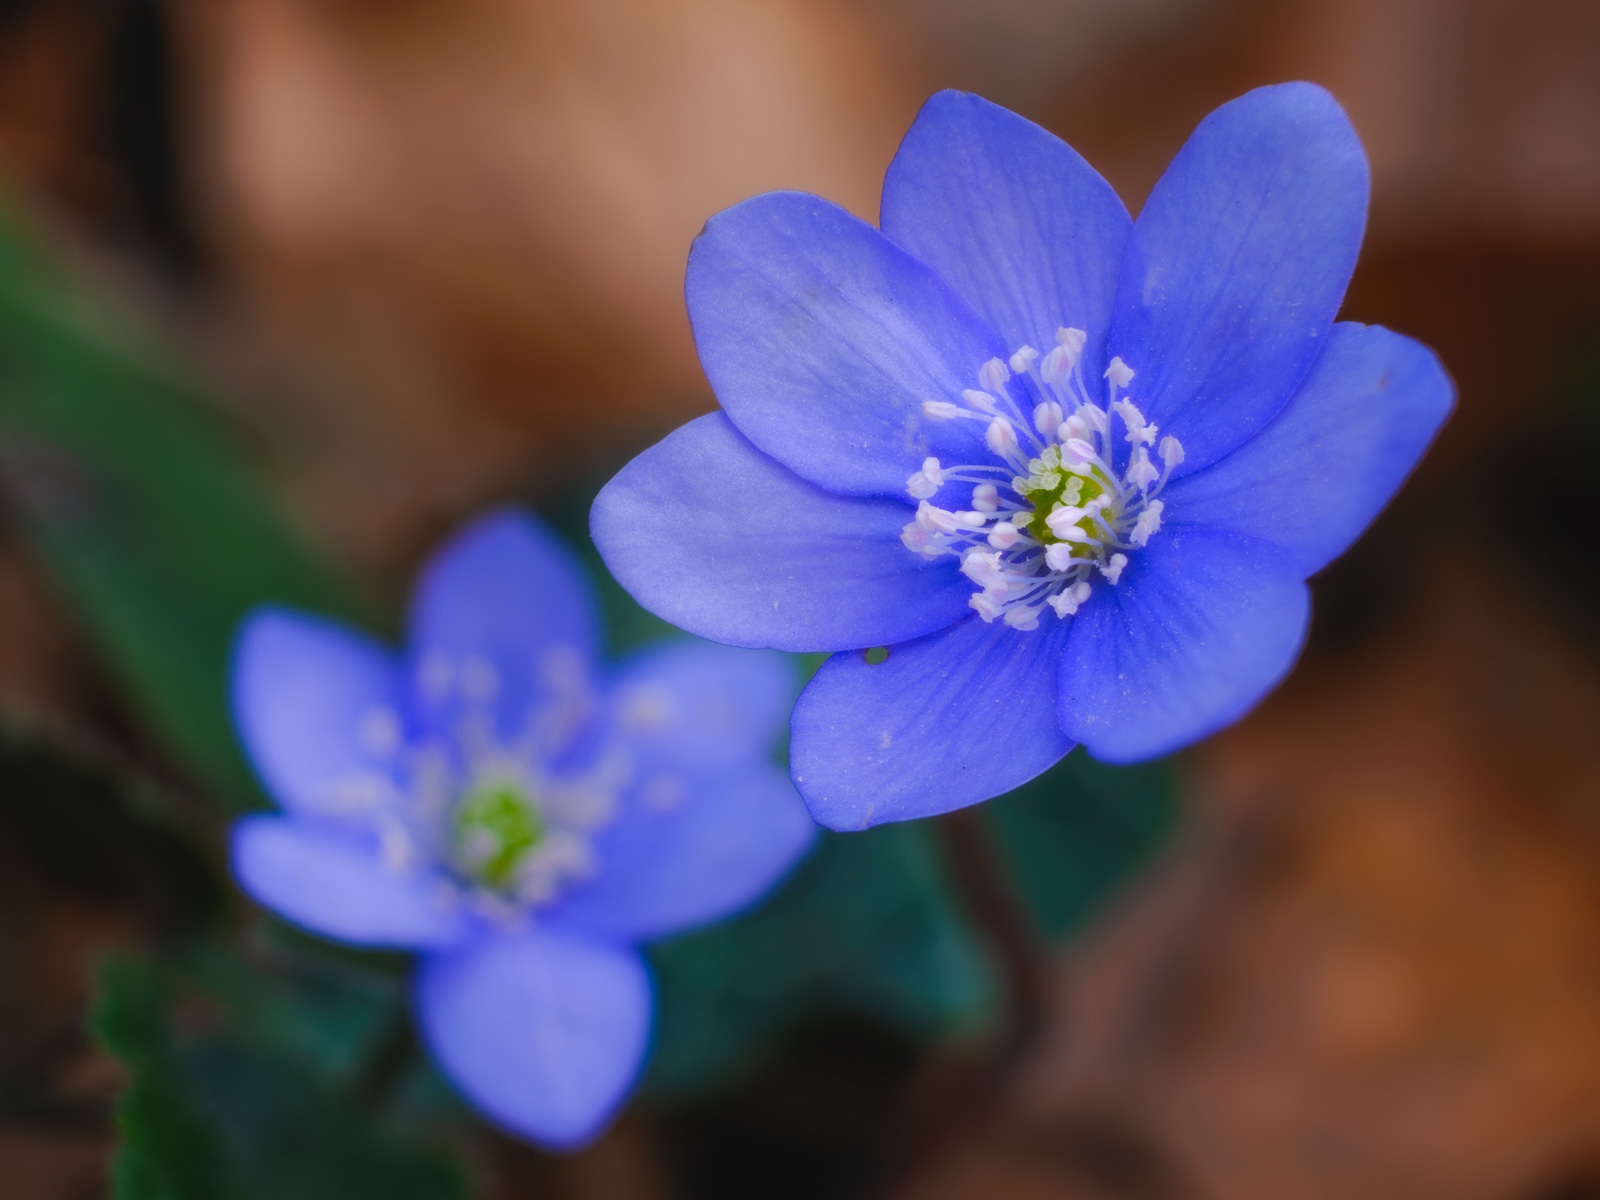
(431, 252)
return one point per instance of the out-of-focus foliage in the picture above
(147, 512)
(245, 1085)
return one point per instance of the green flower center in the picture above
(495, 827)
(1048, 487)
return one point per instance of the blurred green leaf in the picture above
(227, 1100)
(141, 503)
(1077, 833)
(866, 925)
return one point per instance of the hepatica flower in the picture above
(1051, 475)
(522, 817)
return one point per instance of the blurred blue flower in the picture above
(1072, 470)
(494, 800)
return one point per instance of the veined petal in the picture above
(822, 339)
(714, 536)
(943, 722)
(1200, 628)
(316, 704)
(1322, 471)
(1238, 264)
(702, 706)
(543, 1031)
(690, 848)
(334, 884)
(1013, 218)
(506, 597)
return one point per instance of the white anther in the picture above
(983, 568)
(936, 519)
(927, 481)
(1149, 523)
(1059, 557)
(993, 374)
(941, 410)
(977, 520)
(1004, 536)
(1072, 339)
(922, 541)
(1046, 417)
(1057, 365)
(1022, 618)
(1074, 427)
(1138, 432)
(1119, 373)
(981, 401)
(1001, 438)
(1076, 452)
(1142, 472)
(1065, 518)
(1113, 570)
(986, 498)
(1023, 359)
(1067, 601)
(985, 607)
(1171, 451)
(1095, 417)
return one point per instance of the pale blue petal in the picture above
(506, 593)
(1012, 217)
(1201, 627)
(307, 693)
(1326, 466)
(944, 722)
(690, 848)
(712, 535)
(333, 883)
(702, 706)
(543, 1031)
(822, 338)
(1237, 265)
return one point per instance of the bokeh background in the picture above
(289, 288)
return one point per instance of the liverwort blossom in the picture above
(521, 816)
(1072, 470)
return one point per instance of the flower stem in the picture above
(993, 905)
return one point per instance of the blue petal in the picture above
(1012, 217)
(703, 706)
(691, 848)
(334, 884)
(1201, 627)
(822, 338)
(1238, 264)
(944, 722)
(507, 593)
(304, 688)
(543, 1031)
(709, 533)
(1319, 474)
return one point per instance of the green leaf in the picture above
(141, 502)
(867, 925)
(231, 1103)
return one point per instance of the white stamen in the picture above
(1119, 373)
(941, 410)
(1112, 570)
(986, 608)
(1077, 452)
(1001, 437)
(981, 401)
(1074, 427)
(1138, 432)
(1022, 618)
(1142, 472)
(1095, 417)
(1023, 359)
(986, 498)
(1066, 519)
(1149, 523)
(1171, 451)
(1004, 536)
(927, 481)
(1069, 600)
(938, 520)
(993, 374)
(972, 520)
(1072, 339)
(1047, 417)
(1060, 558)
(1057, 365)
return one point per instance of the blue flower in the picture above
(520, 817)
(1072, 470)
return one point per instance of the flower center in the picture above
(495, 827)
(1065, 498)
